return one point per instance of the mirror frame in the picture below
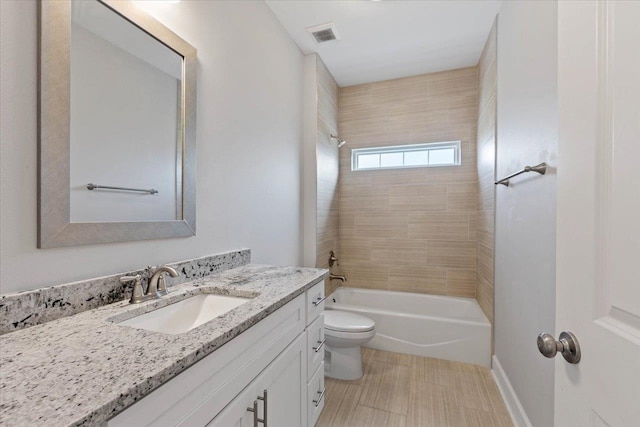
(55, 228)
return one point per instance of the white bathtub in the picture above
(451, 328)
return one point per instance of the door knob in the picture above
(567, 344)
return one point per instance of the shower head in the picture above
(341, 142)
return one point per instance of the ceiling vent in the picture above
(324, 33)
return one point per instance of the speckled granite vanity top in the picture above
(83, 369)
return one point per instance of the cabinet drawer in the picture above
(315, 396)
(315, 345)
(315, 302)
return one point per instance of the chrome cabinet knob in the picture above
(567, 345)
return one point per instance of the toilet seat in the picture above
(343, 322)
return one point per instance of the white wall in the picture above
(124, 133)
(249, 146)
(525, 212)
(310, 179)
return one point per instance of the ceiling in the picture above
(382, 40)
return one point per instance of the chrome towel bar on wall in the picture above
(106, 187)
(541, 169)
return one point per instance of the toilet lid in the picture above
(343, 321)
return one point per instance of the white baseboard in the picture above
(518, 415)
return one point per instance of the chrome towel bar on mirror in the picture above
(541, 169)
(105, 187)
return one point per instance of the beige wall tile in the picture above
(484, 295)
(354, 95)
(486, 238)
(451, 254)
(327, 157)
(330, 286)
(346, 228)
(385, 225)
(486, 176)
(397, 252)
(356, 250)
(462, 197)
(365, 275)
(425, 280)
(485, 220)
(425, 198)
(398, 222)
(429, 226)
(485, 262)
(391, 177)
(461, 283)
(443, 132)
(473, 225)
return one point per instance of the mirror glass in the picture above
(126, 123)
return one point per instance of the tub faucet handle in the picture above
(333, 259)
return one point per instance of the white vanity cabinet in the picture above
(222, 389)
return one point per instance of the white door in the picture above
(598, 251)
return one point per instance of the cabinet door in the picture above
(237, 413)
(284, 382)
(280, 389)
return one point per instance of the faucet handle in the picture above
(138, 292)
(126, 279)
(333, 259)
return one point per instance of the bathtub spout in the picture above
(336, 277)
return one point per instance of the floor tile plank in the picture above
(393, 393)
(365, 416)
(399, 390)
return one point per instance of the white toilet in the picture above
(344, 334)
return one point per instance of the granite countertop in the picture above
(83, 369)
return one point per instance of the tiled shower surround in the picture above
(327, 178)
(487, 76)
(412, 230)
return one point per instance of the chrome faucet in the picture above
(156, 287)
(337, 277)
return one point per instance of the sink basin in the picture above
(185, 315)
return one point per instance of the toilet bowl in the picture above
(344, 334)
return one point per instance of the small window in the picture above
(406, 156)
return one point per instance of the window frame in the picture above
(429, 146)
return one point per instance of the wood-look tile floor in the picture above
(401, 390)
